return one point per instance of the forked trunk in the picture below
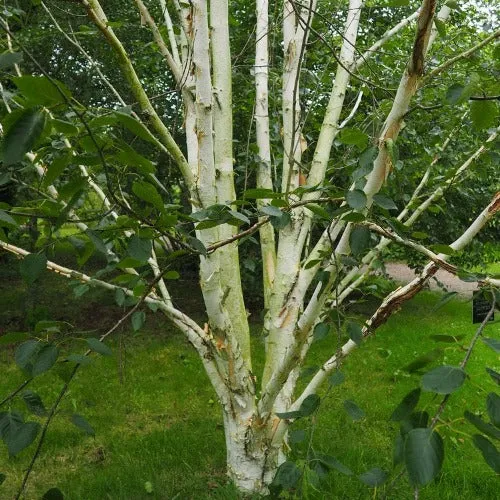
(251, 460)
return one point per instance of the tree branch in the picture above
(463, 55)
(402, 294)
(172, 64)
(97, 15)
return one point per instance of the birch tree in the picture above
(318, 242)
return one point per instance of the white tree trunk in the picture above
(251, 460)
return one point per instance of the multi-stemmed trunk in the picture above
(199, 60)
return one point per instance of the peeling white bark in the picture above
(264, 172)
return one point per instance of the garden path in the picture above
(402, 273)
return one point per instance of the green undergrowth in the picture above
(158, 428)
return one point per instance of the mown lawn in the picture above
(158, 426)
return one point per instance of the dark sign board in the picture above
(480, 308)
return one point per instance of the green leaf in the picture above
(332, 463)
(282, 221)
(321, 331)
(359, 240)
(419, 235)
(336, 378)
(53, 494)
(355, 332)
(24, 436)
(482, 426)
(80, 422)
(488, 450)
(417, 420)
(45, 359)
(454, 93)
(79, 359)
(287, 475)
(120, 296)
(443, 379)
(32, 267)
(64, 127)
(424, 454)
(22, 135)
(356, 199)
(446, 249)
(354, 411)
(35, 358)
(296, 436)
(493, 343)
(271, 211)
(138, 319)
(139, 248)
(384, 202)
(407, 405)
(238, 216)
(3, 477)
(136, 127)
(50, 326)
(8, 59)
(81, 290)
(100, 347)
(16, 433)
(55, 168)
(354, 217)
(318, 210)
(171, 275)
(25, 354)
(398, 3)
(289, 415)
(41, 90)
(34, 403)
(6, 220)
(493, 408)
(207, 224)
(310, 405)
(374, 477)
(96, 241)
(148, 193)
(367, 156)
(440, 26)
(196, 245)
(354, 137)
(492, 373)
(130, 157)
(483, 114)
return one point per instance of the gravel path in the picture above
(402, 273)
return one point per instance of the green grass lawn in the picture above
(157, 421)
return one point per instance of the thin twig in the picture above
(444, 402)
(16, 392)
(71, 376)
(464, 362)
